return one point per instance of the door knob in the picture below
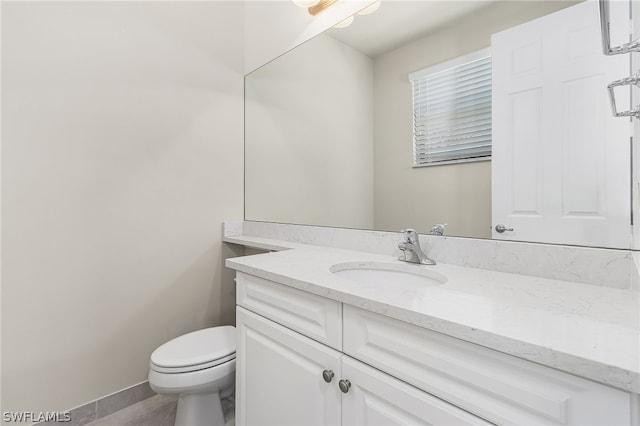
(500, 228)
(344, 385)
(327, 375)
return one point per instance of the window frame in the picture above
(430, 71)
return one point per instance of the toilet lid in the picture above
(198, 347)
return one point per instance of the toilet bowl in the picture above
(200, 368)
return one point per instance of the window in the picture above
(452, 111)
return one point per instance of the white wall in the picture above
(121, 156)
(302, 157)
(459, 195)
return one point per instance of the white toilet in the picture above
(200, 368)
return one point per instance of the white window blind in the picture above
(452, 111)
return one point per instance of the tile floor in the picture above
(158, 410)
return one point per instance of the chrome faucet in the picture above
(438, 229)
(411, 251)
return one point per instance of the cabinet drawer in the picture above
(498, 387)
(313, 316)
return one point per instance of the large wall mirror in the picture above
(329, 127)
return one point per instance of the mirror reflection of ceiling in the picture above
(398, 22)
(328, 125)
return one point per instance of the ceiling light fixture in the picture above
(320, 6)
(316, 6)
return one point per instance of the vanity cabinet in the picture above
(284, 378)
(296, 350)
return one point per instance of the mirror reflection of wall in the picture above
(329, 124)
(309, 137)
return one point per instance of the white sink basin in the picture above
(383, 273)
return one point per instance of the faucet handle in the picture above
(410, 234)
(438, 229)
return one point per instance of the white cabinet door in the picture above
(375, 398)
(560, 161)
(279, 377)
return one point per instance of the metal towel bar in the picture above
(633, 46)
(628, 81)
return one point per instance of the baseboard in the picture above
(106, 405)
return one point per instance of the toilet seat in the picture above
(191, 368)
(195, 351)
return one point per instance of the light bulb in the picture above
(370, 9)
(344, 23)
(306, 3)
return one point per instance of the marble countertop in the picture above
(586, 330)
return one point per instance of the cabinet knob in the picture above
(327, 375)
(344, 385)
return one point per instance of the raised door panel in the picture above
(377, 399)
(495, 386)
(279, 378)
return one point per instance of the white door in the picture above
(561, 161)
(375, 398)
(279, 375)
